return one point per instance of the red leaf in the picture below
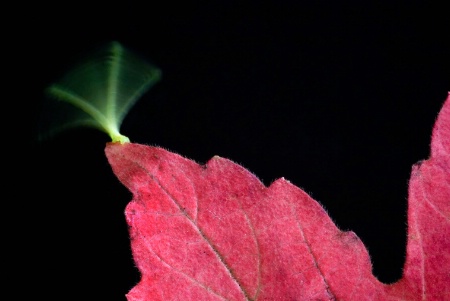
(215, 232)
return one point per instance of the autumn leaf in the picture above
(215, 232)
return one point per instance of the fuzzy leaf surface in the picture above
(215, 232)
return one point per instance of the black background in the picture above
(339, 98)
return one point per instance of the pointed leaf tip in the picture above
(440, 143)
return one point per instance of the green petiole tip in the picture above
(100, 91)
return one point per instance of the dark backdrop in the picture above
(339, 98)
